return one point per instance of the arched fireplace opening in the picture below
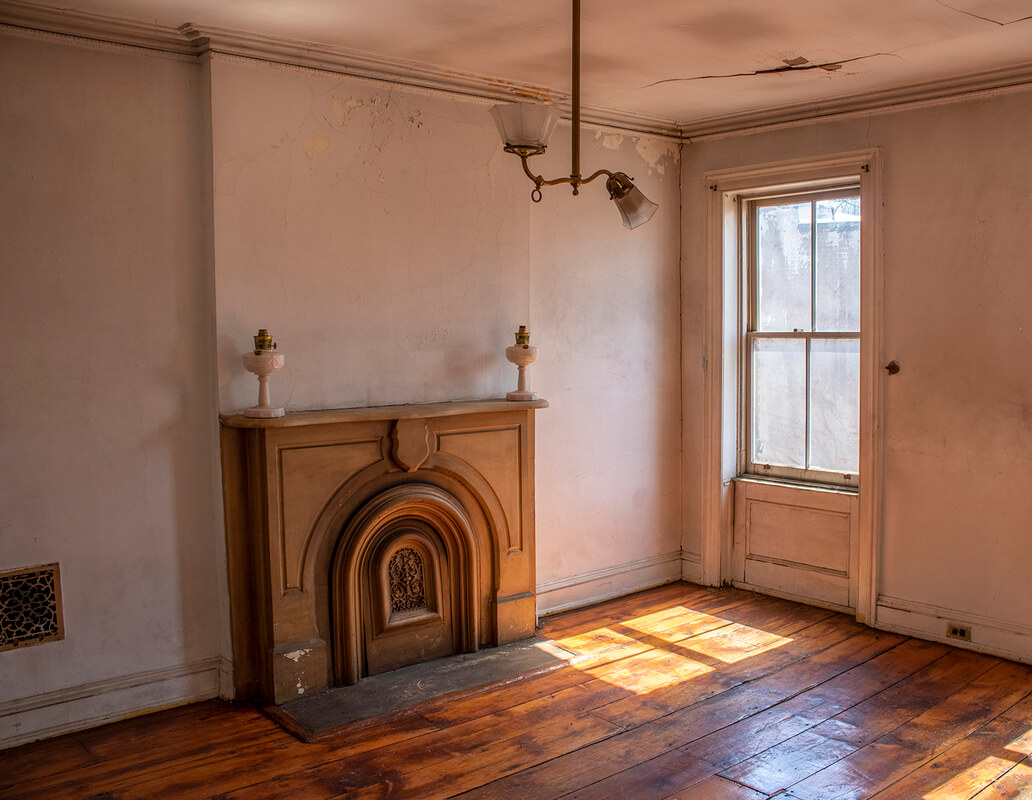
(404, 583)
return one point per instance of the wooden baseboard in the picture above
(691, 567)
(99, 702)
(988, 634)
(594, 587)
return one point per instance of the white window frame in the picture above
(748, 204)
(723, 327)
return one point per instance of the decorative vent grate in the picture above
(408, 586)
(30, 606)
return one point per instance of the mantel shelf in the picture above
(414, 411)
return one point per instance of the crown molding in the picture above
(70, 22)
(945, 90)
(415, 74)
(196, 40)
(227, 41)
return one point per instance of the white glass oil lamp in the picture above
(522, 354)
(263, 361)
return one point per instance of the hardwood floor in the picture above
(681, 692)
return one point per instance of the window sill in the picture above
(797, 484)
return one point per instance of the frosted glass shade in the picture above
(525, 124)
(635, 208)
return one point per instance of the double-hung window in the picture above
(802, 344)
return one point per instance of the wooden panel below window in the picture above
(796, 541)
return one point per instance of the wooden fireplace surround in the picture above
(301, 491)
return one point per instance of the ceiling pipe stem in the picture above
(575, 142)
(525, 131)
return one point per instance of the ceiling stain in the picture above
(538, 93)
(733, 27)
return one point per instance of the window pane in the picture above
(835, 405)
(783, 267)
(838, 265)
(779, 402)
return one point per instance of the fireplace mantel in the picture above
(302, 489)
(371, 413)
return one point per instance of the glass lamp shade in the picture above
(525, 124)
(635, 208)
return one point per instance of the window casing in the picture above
(801, 349)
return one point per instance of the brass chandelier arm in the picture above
(576, 181)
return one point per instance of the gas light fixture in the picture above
(525, 129)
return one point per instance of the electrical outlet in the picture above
(956, 630)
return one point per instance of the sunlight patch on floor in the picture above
(675, 623)
(1015, 785)
(1023, 744)
(595, 640)
(644, 674)
(964, 784)
(690, 644)
(735, 642)
(1013, 771)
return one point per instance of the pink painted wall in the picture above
(108, 447)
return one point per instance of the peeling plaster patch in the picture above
(610, 141)
(300, 688)
(656, 153)
(296, 655)
(342, 108)
(317, 144)
(799, 62)
(415, 122)
(380, 109)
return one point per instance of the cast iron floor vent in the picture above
(30, 606)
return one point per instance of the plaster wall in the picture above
(391, 247)
(957, 438)
(375, 231)
(108, 434)
(604, 305)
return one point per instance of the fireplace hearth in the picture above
(364, 540)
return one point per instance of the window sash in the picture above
(753, 465)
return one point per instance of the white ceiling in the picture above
(702, 65)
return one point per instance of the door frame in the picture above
(723, 328)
